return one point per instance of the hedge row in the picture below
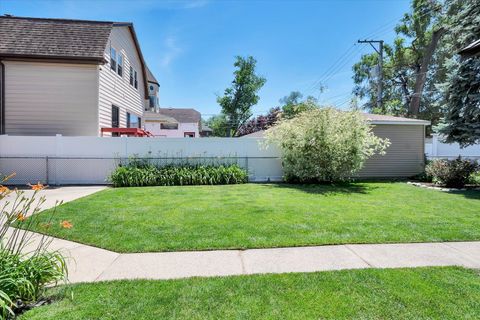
(139, 176)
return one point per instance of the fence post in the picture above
(46, 169)
(58, 152)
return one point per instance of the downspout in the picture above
(2, 98)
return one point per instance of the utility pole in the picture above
(380, 68)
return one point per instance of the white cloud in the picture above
(171, 51)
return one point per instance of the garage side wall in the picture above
(404, 157)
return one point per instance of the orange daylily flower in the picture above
(4, 189)
(66, 224)
(21, 217)
(37, 187)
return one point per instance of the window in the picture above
(189, 134)
(120, 64)
(169, 126)
(131, 75)
(152, 100)
(133, 121)
(113, 59)
(116, 61)
(115, 117)
(136, 79)
(133, 78)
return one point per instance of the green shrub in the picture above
(24, 272)
(324, 145)
(134, 175)
(475, 178)
(452, 174)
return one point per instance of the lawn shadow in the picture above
(330, 189)
(469, 194)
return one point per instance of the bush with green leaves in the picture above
(453, 174)
(140, 174)
(27, 267)
(324, 145)
(475, 178)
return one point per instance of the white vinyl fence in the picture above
(57, 160)
(436, 149)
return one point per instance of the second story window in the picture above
(120, 65)
(116, 61)
(133, 77)
(113, 59)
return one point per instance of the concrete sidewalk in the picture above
(89, 264)
(54, 194)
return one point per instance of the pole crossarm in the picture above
(380, 67)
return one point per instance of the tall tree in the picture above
(411, 66)
(238, 99)
(261, 122)
(218, 124)
(461, 89)
(294, 104)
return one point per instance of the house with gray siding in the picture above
(71, 77)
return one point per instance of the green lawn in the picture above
(267, 215)
(422, 293)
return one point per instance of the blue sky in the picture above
(190, 45)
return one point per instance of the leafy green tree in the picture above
(238, 99)
(294, 104)
(218, 124)
(411, 66)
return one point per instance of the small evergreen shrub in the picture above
(139, 174)
(452, 174)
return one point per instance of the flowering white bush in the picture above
(325, 145)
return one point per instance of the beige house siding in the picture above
(116, 90)
(404, 157)
(51, 98)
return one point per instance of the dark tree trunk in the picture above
(421, 76)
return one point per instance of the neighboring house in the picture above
(174, 123)
(153, 92)
(71, 77)
(406, 154)
(206, 131)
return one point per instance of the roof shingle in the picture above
(59, 38)
(182, 115)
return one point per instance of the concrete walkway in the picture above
(89, 264)
(54, 194)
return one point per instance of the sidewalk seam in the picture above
(465, 254)
(108, 267)
(360, 257)
(242, 263)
